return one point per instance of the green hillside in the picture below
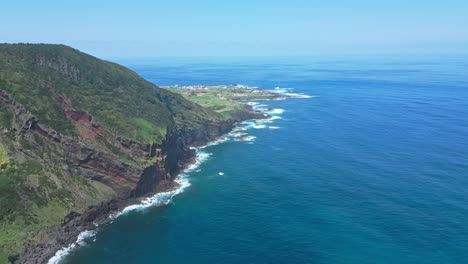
(39, 75)
(76, 131)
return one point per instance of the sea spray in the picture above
(277, 111)
(80, 241)
(165, 197)
(287, 92)
(155, 200)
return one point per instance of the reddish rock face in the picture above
(85, 126)
(78, 116)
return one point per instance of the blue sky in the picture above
(239, 28)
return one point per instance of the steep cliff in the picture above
(81, 137)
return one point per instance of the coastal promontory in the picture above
(81, 138)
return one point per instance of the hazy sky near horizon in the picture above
(239, 28)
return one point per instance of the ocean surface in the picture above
(371, 168)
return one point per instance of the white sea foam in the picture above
(80, 241)
(287, 92)
(239, 134)
(248, 122)
(259, 108)
(221, 173)
(246, 138)
(159, 198)
(273, 127)
(216, 142)
(270, 120)
(237, 129)
(297, 95)
(281, 90)
(166, 197)
(246, 86)
(277, 111)
(202, 156)
(258, 126)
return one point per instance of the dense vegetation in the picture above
(38, 184)
(39, 75)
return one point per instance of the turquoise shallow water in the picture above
(372, 170)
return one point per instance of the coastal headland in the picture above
(82, 139)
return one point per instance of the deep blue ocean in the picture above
(372, 169)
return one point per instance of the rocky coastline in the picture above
(176, 154)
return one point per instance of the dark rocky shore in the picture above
(175, 155)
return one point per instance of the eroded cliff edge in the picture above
(81, 138)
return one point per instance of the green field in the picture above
(223, 99)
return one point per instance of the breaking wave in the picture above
(287, 92)
(80, 241)
(276, 111)
(155, 200)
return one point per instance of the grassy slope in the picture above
(36, 193)
(38, 74)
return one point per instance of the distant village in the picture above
(203, 90)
